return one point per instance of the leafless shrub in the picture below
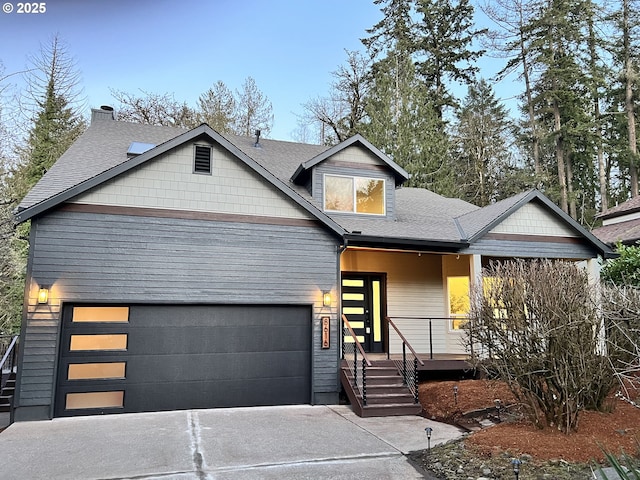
(621, 312)
(536, 325)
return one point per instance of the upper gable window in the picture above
(354, 194)
(202, 159)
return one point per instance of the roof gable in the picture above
(53, 182)
(509, 216)
(168, 182)
(302, 173)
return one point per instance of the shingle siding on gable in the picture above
(357, 155)
(169, 182)
(116, 258)
(533, 219)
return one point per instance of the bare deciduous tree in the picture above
(154, 109)
(536, 325)
(254, 110)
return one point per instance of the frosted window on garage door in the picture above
(75, 401)
(98, 342)
(86, 371)
(100, 314)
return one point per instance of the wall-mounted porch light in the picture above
(43, 294)
(326, 298)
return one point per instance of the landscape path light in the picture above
(498, 407)
(516, 467)
(455, 394)
(428, 430)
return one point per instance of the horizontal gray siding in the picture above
(502, 248)
(112, 258)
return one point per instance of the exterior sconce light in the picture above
(516, 467)
(326, 298)
(43, 294)
(428, 431)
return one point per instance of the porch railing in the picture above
(9, 353)
(408, 364)
(423, 332)
(357, 365)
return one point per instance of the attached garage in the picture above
(141, 358)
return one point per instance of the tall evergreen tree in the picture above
(404, 124)
(53, 96)
(483, 145)
(509, 40)
(562, 87)
(53, 105)
(626, 54)
(444, 39)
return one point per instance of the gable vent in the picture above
(202, 162)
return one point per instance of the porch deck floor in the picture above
(439, 362)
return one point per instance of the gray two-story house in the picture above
(178, 269)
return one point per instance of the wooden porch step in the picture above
(388, 398)
(391, 409)
(387, 395)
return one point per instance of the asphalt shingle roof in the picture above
(626, 232)
(420, 214)
(629, 206)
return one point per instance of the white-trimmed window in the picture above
(459, 303)
(354, 194)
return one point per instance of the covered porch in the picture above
(393, 298)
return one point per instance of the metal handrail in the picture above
(409, 371)
(362, 387)
(404, 340)
(8, 361)
(355, 339)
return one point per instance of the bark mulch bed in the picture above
(546, 454)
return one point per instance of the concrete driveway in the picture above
(301, 442)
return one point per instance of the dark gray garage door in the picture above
(150, 358)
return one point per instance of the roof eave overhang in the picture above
(398, 243)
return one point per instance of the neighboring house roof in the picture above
(421, 217)
(625, 232)
(625, 208)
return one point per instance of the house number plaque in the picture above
(325, 332)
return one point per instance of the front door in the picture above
(363, 305)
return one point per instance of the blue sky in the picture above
(290, 47)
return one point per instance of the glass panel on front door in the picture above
(362, 297)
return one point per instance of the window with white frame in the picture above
(354, 194)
